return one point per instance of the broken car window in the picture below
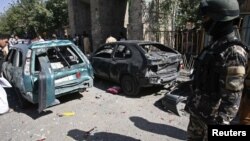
(59, 57)
(19, 59)
(105, 51)
(148, 48)
(11, 59)
(122, 52)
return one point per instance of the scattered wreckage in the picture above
(42, 71)
(175, 99)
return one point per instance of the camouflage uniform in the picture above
(217, 87)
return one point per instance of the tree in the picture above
(59, 17)
(165, 16)
(172, 13)
(34, 17)
(181, 11)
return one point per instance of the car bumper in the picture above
(158, 80)
(73, 87)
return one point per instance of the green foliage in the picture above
(59, 11)
(34, 17)
(175, 13)
(3, 24)
(188, 11)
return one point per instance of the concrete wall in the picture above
(105, 17)
(96, 31)
(79, 16)
(135, 26)
(112, 16)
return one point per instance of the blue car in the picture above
(42, 71)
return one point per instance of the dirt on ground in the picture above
(95, 115)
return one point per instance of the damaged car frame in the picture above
(42, 71)
(136, 64)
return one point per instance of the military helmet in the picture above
(220, 10)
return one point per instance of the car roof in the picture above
(42, 44)
(138, 42)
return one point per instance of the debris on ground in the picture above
(114, 90)
(43, 139)
(98, 97)
(174, 100)
(66, 114)
(88, 133)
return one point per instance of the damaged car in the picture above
(136, 64)
(42, 71)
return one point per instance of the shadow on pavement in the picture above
(80, 135)
(70, 97)
(105, 84)
(32, 109)
(159, 128)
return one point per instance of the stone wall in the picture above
(79, 16)
(135, 26)
(101, 18)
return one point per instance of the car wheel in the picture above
(129, 86)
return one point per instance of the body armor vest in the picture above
(209, 65)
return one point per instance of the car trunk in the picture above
(65, 70)
(163, 64)
(69, 69)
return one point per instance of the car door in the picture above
(6, 63)
(120, 62)
(46, 88)
(102, 59)
(17, 73)
(42, 80)
(10, 66)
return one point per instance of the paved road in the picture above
(108, 117)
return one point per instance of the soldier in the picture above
(219, 70)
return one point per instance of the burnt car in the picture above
(42, 71)
(135, 64)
